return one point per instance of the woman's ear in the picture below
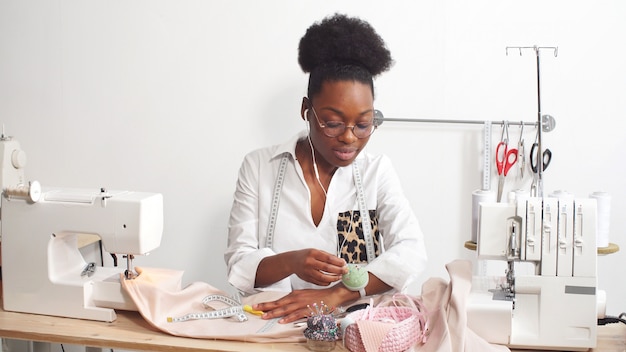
(304, 109)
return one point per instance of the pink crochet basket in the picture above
(392, 326)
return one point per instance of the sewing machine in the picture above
(43, 270)
(12, 162)
(554, 306)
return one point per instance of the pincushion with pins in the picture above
(356, 278)
(321, 327)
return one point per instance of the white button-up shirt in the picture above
(401, 261)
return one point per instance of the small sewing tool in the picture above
(89, 269)
(546, 157)
(505, 159)
(319, 309)
(248, 308)
(520, 151)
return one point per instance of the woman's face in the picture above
(350, 102)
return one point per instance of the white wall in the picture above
(167, 96)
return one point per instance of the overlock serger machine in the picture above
(554, 306)
(43, 271)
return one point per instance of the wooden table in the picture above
(131, 332)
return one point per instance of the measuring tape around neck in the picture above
(365, 218)
(278, 185)
(365, 214)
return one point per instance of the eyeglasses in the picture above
(360, 130)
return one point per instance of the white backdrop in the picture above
(167, 96)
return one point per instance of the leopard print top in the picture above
(351, 239)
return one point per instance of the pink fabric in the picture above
(158, 295)
(375, 332)
(391, 325)
(157, 299)
(446, 304)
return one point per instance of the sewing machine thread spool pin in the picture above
(31, 192)
(105, 195)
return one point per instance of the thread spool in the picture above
(562, 195)
(31, 192)
(603, 201)
(518, 195)
(479, 196)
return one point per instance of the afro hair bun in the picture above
(345, 41)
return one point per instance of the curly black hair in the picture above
(342, 48)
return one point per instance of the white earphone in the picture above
(317, 173)
(306, 120)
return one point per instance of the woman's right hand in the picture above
(311, 265)
(316, 266)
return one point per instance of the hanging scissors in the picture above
(546, 157)
(520, 151)
(505, 159)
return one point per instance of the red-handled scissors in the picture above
(505, 159)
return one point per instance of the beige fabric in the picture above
(157, 299)
(446, 305)
(158, 295)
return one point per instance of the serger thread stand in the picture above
(468, 122)
(537, 50)
(546, 122)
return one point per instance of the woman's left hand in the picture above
(298, 304)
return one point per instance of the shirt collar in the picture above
(289, 147)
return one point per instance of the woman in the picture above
(299, 208)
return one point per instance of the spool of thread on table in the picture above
(479, 196)
(603, 200)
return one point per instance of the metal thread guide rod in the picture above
(537, 50)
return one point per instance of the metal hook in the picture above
(519, 48)
(521, 152)
(535, 48)
(505, 128)
(537, 136)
